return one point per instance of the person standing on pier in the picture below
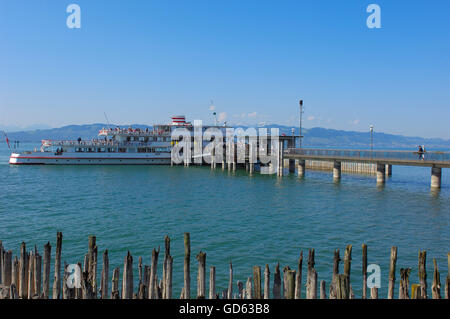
(421, 152)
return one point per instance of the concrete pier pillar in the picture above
(223, 164)
(280, 159)
(388, 170)
(436, 176)
(336, 171)
(301, 168)
(251, 167)
(291, 165)
(381, 174)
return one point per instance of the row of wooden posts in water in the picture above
(28, 277)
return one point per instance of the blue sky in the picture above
(143, 61)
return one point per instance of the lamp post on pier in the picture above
(371, 141)
(300, 132)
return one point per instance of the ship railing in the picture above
(48, 143)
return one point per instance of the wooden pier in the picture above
(27, 276)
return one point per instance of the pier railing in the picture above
(371, 155)
(27, 276)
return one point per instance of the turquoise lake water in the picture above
(251, 220)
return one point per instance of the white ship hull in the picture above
(47, 158)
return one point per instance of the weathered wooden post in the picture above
(311, 281)
(277, 283)
(187, 263)
(403, 292)
(153, 273)
(392, 272)
(13, 294)
(92, 264)
(257, 282)
(290, 294)
(23, 287)
(342, 286)
(374, 293)
(347, 266)
(15, 273)
(57, 280)
(336, 261)
(127, 281)
(285, 270)
(230, 282)
(248, 289)
(46, 274)
(447, 284)
(30, 275)
(115, 294)
(37, 273)
(241, 290)
(7, 268)
(166, 256)
(416, 291)
(364, 271)
(201, 275)
(423, 274)
(298, 278)
(104, 281)
(436, 287)
(323, 294)
(266, 282)
(168, 283)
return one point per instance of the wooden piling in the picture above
(92, 264)
(7, 268)
(46, 272)
(248, 289)
(403, 292)
(298, 277)
(423, 274)
(436, 287)
(201, 275)
(336, 261)
(104, 280)
(168, 283)
(374, 293)
(37, 273)
(57, 280)
(241, 290)
(348, 261)
(23, 287)
(342, 286)
(15, 273)
(115, 294)
(257, 282)
(447, 284)
(392, 265)
(187, 262)
(30, 275)
(311, 280)
(166, 256)
(364, 271)
(127, 281)
(277, 283)
(13, 294)
(290, 291)
(230, 282)
(266, 282)
(152, 285)
(322, 290)
(285, 270)
(416, 291)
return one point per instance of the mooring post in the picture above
(436, 176)
(298, 278)
(266, 282)
(212, 282)
(436, 287)
(257, 282)
(422, 270)
(364, 271)
(381, 174)
(201, 275)
(152, 286)
(57, 281)
(336, 171)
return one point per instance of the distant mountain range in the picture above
(313, 137)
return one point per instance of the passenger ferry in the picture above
(113, 146)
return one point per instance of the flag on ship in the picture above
(7, 140)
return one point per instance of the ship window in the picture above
(101, 149)
(122, 150)
(79, 149)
